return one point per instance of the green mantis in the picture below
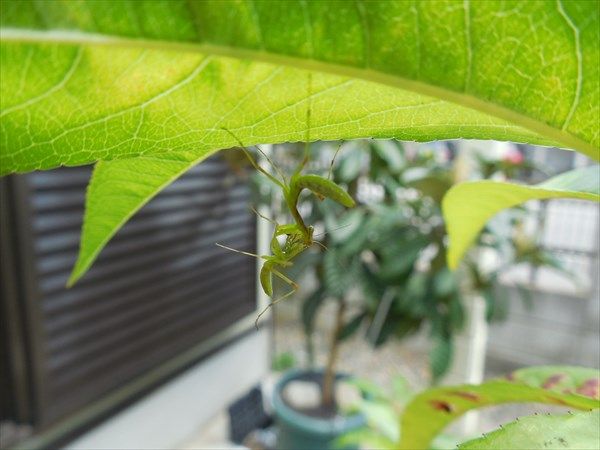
(298, 236)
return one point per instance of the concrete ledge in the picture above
(170, 415)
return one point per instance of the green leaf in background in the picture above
(351, 166)
(340, 229)
(392, 153)
(381, 416)
(367, 388)
(146, 87)
(352, 326)
(468, 206)
(444, 283)
(363, 436)
(433, 184)
(432, 410)
(382, 430)
(579, 380)
(335, 275)
(283, 361)
(380, 408)
(440, 357)
(401, 390)
(310, 307)
(578, 430)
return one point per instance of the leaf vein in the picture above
(108, 117)
(468, 45)
(63, 81)
(579, 58)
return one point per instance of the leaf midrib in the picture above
(83, 38)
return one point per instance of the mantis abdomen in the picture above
(321, 187)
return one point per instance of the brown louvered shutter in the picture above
(160, 287)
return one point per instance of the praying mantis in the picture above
(298, 236)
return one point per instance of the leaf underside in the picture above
(146, 87)
(468, 206)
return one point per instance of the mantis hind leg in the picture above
(292, 283)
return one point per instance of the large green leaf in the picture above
(88, 80)
(468, 206)
(431, 411)
(579, 430)
(157, 80)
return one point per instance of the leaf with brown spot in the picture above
(466, 395)
(440, 405)
(590, 388)
(553, 380)
(431, 411)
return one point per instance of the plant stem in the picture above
(310, 350)
(329, 375)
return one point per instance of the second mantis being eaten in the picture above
(298, 236)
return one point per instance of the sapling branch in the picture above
(329, 374)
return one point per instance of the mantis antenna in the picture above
(330, 231)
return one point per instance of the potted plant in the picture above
(388, 252)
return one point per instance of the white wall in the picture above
(168, 416)
(564, 325)
(559, 330)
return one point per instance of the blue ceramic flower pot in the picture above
(298, 431)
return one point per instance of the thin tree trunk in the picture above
(329, 375)
(310, 350)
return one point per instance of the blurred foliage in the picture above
(512, 165)
(381, 409)
(283, 361)
(397, 418)
(390, 249)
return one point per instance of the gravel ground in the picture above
(356, 356)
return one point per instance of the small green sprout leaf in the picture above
(468, 206)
